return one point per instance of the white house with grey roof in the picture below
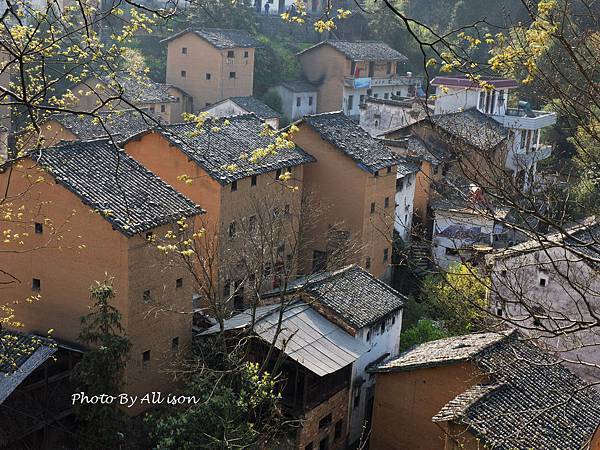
(234, 106)
(406, 182)
(367, 308)
(549, 287)
(298, 98)
(490, 96)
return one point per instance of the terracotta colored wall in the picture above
(202, 58)
(337, 406)
(405, 402)
(53, 132)
(85, 249)
(326, 67)
(343, 193)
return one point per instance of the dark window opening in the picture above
(389, 169)
(146, 359)
(39, 228)
(175, 344)
(325, 421)
(310, 101)
(253, 180)
(277, 174)
(233, 186)
(183, 74)
(163, 108)
(368, 263)
(146, 296)
(543, 282)
(179, 282)
(319, 261)
(298, 101)
(230, 54)
(372, 207)
(385, 254)
(36, 284)
(208, 76)
(386, 202)
(231, 74)
(232, 229)
(246, 54)
(184, 50)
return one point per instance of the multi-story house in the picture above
(242, 196)
(548, 287)
(352, 187)
(490, 96)
(126, 91)
(298, 98)
(211, 64)
(234, 106)
(368, 310)
(406, 183)
(86, 212)
(346, 73)
(334, 326)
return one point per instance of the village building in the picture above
(125, 91)
(35, 390)
(548, 287)
(346, 73)
(406, 183)
(487, 390)
(379, 115)
(371, 312)
(235, 106)
(490, 96)
(278, 7)
(431, 168)
(88, 210)
(117, 125)
(353, 304)
(352, 186)
(298, 98)
(316, 369)
(211, 64)
(213, 164)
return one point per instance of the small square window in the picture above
(232, 229)
(246, 54)
(39, 228)
(499, 312)
(183, 74)
(146, 359)
(163, 108)
(36, 285)
(231, 74)
(208, 76)
(230, 54)
(179, 282)
(386, 202)
(253, 180)
(385, 254)
(146, 296)
(234, 186)
(376, 174)
(175, 344)
(184, 50)
(325, 421)
(543, 282)
(372, 207)
(503, 273)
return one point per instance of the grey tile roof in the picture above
(345, 134)
(20, 354)
(472, 127)
(107, 179)
(443, 351)
(299, 86)
(119, 125)
(305, 336)
(534, 401)
(231, 145)
(353, 294)
(139, 88)
(255, 106)
(363, 50)
(406, 166)
(221, 38)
